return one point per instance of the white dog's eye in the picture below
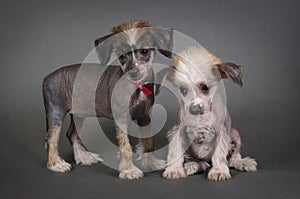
(183, 90)
(204, 88)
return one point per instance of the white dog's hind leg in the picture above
(191, 168)
(243, 164)
(235, 160)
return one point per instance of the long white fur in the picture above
(194, 65)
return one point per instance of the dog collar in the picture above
(142, 86)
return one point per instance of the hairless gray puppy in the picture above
(203, 133)
(134, 44)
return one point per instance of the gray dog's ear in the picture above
(231, 70)
(163, 40)
(103, 47)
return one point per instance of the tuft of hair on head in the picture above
(195, 55)
(126, 26)
(196, 63)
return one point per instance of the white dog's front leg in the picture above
(220, 170)
(175, 160)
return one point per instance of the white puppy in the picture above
(203, 132)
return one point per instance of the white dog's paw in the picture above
(246, 164)
(218, 175)
(84, 157)
(174, 173)
(191, 168)
(60, 166)
(149, 161)
(131, 173)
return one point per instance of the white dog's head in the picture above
(197, 74)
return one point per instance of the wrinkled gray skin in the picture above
(203, 134)
(60, 100)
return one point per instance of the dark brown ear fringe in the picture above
(231, 70)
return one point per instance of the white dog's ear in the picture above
(103, 47)
(231, 70)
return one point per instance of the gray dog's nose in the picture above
(133, 73)
(195, 109)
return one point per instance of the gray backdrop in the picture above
(37, 37)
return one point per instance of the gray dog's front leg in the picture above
(146, 146)
(127, 170)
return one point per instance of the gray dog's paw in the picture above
(131, 173)
(149, 161)
(174, 173)
(218, 175)
(60, 166)
(84, 157)
(88, 158)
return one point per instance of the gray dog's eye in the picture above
(144, 51)
(204, 88)
(122, 56)
(183, 90)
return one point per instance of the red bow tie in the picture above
(143, 88)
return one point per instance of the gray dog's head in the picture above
(197, 74)
(134, 44)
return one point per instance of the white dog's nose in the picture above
(195, 109)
